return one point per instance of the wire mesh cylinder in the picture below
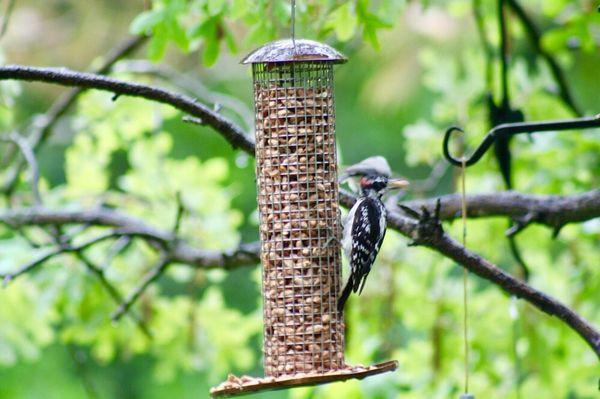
(296, 169)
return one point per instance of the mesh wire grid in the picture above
(296, 168)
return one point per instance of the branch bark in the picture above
(62, 76)
(181, 252)
(553, 211)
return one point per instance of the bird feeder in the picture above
(296, 170)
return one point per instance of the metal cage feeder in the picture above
(296, 169)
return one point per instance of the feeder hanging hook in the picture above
(509, 129)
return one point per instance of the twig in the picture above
(150, 277)
(112, 291)
(178, 214)
(6, 18)
(519, 223)
(29, 157)
(42, 125)
(535, 37)
(7, 278)
(182, 252)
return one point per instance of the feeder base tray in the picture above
(235, 386)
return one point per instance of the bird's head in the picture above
(375, 176)
(380, 184)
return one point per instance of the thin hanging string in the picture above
(294, 23)
(465, 274)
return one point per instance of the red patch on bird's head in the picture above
(365, 181)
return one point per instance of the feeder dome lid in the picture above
(287, 50)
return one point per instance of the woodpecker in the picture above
(365, 225)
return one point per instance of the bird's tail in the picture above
(345, 294)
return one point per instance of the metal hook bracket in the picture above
(510, 129)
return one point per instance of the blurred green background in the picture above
(415, 67)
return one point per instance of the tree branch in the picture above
(553, 211)
(42, 125)
(148, 279)
(112, 291)
(447, 246)
(6, 17)
(182, 252)
(29, 158)
(535, 37)
(62, 76)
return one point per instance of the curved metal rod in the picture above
(509, 129)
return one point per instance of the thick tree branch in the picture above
(553, 211)
(449, 247)
(62, 76)
(190, 85)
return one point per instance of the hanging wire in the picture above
(294, 23)
(465, 273)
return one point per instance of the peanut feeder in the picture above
(296, 169)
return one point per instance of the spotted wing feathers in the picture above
(368, 231)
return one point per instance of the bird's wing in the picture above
(347, 236)
(367, 239)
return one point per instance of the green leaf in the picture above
(212, 47)
(211, 52)
(344, 22)
(215, 7)
(158, 44)
(281, 11)
(179, 35)
(146, 21)
(205, 28)
(372, 23)
(240, 8)
(259, 33)
(230, 40)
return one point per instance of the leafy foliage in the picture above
(208, 23)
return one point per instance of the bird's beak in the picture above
(398, 183)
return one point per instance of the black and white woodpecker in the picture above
(365, 225)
